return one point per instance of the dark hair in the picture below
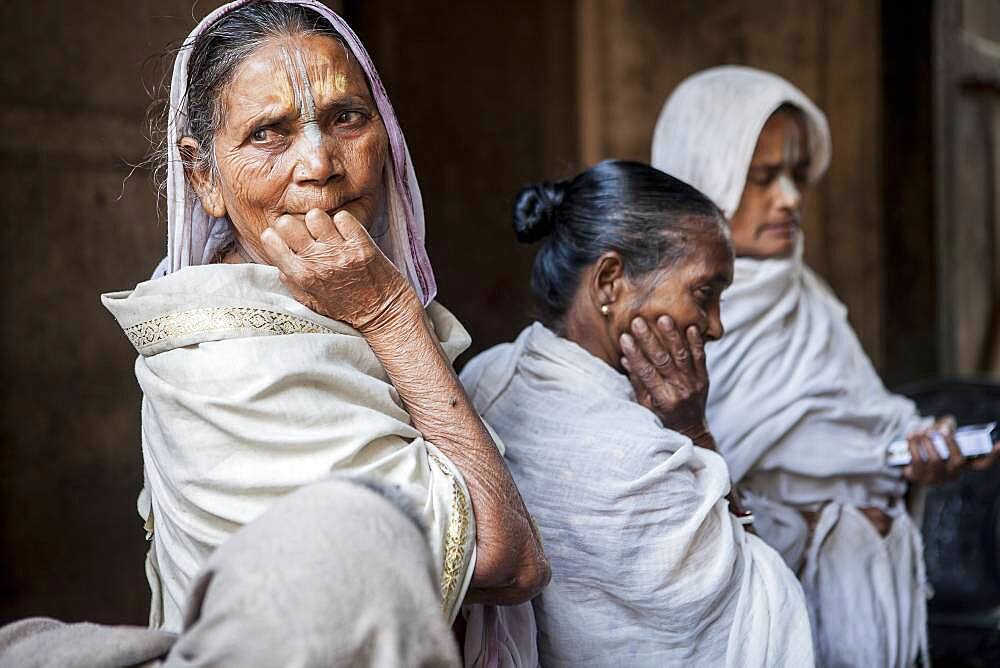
(215, 56)
(644, 215)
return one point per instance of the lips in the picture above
(788, 226)
(330, 211)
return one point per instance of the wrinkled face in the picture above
(768, 220)
(300, 131)
(689, 292)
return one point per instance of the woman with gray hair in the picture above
(290, 333)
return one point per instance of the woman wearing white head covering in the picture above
(800, 415)
(279, 342)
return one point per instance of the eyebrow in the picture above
(281, 114)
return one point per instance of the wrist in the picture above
(399, 313)
(700, 435)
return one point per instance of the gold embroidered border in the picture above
(454, 543)
(214, 319)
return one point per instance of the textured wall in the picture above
(71, 544)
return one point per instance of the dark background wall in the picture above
(491, 96)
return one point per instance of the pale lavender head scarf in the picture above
(194, 237)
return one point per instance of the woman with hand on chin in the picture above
(601, 408)
(291, 334)
(800, 414)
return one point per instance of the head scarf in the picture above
(194, 237)
(708, 129)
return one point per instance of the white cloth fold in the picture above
(648, 565)
(248, 395)
(796, 408)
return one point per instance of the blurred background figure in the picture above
(903, 227)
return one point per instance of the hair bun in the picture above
(535, 210)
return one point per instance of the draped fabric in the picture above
(194, 237)
(707, 131)
(648, 565)
(284, 590)
(798, 411)
(249, 395)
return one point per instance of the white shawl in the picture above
(798, 411)
(648, 565)
(247, 396)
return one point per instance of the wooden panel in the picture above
(967, 80)
(633, 53)
(910, 321)
(853, 218)
(486, 96)
(71, 121)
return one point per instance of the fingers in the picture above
(936, 468)
(676, 344)
(649, 344)
(349, 228)
(642, 396)
(956, 460)
(280, 254)
(321, 226)
(639, 366)
(293, 232)
(916, 470)
(697, 346)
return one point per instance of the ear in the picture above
(608, 283)
(202, 181)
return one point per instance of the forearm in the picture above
(510, 555)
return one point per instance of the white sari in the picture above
(649, 568)
(796, 407)
(247, 396)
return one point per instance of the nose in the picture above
(715, 330)
(318, 160)
(789, 197)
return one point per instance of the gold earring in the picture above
(604, 310)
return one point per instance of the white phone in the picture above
(973, 441)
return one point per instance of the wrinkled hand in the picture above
(667, 370)
(335, 268)
(926, 466)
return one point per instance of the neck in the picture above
(590, 332)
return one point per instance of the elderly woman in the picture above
(290, 333)
(801, 417)
(601, 407)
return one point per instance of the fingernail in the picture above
(639, 325)
(626, 341)
(667, 322)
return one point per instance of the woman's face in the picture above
(689, 291)
(299, 131)
(768, 220)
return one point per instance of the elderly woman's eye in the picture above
(350, 117)
(262, 135)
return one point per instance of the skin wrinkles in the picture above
(306, 204)
(289, 168)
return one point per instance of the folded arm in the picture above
(334, 267)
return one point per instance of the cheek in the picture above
(364, 159)
(254, 187)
